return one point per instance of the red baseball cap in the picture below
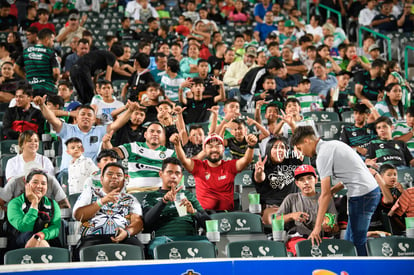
(214, 137)
(304, 169)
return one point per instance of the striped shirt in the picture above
(401, 129)
(171, 86)
(144, 164)
(309, 102)
(38, 62)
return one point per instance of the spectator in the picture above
(293, 118)
(133, 130)
(139, 80)
(31, 12)
(151, 100)
(314, 28)
(43, 15)
(8, 22)
(368, 13)
(352, 62)
(80, 167)
(159, 71)
(322, 82)
(190, 11)
(261, 9)
(292, 66)
(262, 30)
(82, 48)
(62, 8)
(84, 128)
(370, 84)
(188, 65)
(385, 21)
(150, 35)
(374, 52)
(172, 80)
(300, 209)
(28, 143)
(35, 218)
(339, 97)
(270, 182)
(215, 177)
(161, 216)
(198, 106)
(8, 83)
(23, 116)
(87, 65)
(406, 19)
(359, 135)
(106, 106)
(125, 32)
(148, 154)
(42, 68)
(193, 142)
(105, 156)
(323, 53)
(404, 205)
(238, 46)
(308, 102)
(238, 69)
(31, 37)
(392, 105)
(73, 29)
(238, 15)
(93, 205)
(385, 149)
(404, 130)
(336, 158)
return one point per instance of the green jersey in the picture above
(38, 62)
(144, 164)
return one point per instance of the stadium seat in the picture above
(331, 130)
(111, 252)
(327, 248)
(348, 116)
(390, 247)
(9, 147)
(140, 196)
(255, 249)
(189, 181)
(238, 223)
(244, 178)
(237, 226)
(185, 250)
(37, 255)
(322, 116)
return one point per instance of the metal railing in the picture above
(408, 47)
(328, 12)
(375, 34)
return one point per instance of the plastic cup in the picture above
(279, 236)
(181, 209)
(144, 238)
(254, 203)
(278, 224)
(212, 225)
(409, 222)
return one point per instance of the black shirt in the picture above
(96, 60)
(196, 111)
(127, 135)
(137, 83)
(127, 34)
(387, 26)
(371, 87)
(7, 22)
(279, 181)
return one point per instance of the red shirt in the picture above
(40, 27)
(215, 185)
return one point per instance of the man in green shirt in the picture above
(39, 65)
(161, 212)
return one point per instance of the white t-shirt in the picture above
(15, 166)
(105, 109)
(78, 172)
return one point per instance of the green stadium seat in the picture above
(327, 248)
(37, 255)
(111, 252)
(255, 249)
(181, 250)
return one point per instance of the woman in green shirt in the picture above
(34, 217)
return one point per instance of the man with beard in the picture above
(214, 177)
(144, 158)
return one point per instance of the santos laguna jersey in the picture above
(144, 164)
(389, 151)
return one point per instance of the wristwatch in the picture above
(37, 237)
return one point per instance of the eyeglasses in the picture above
(73, 19)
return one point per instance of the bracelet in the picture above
(250, 146)
(129, 234)
(375, 174)
(99, 203)
(68, 113)
(226, 120)
(164, 201)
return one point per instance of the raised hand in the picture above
(259, 166)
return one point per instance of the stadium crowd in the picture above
(104, 100)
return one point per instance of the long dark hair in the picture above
(390, 106)
(269, 146)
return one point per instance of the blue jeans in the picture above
(360, 211)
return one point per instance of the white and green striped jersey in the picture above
(401, 129)
(171, 86)
(308, 100)
(383, 110)
(144, 164)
